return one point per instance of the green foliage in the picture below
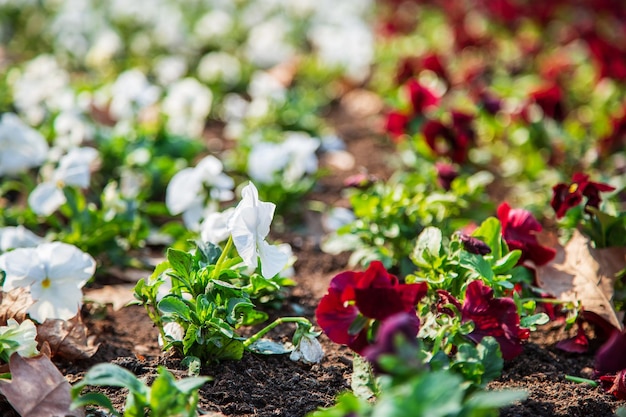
(167, 397)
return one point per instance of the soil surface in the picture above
(266, 386)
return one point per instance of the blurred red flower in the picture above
(566, 196)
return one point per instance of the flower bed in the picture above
(425, 217)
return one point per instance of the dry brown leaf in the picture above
(116, 295)
(580, 272)
(13, 305)
(67, 339)
(37, 388)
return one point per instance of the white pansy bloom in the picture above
(170, 68)
(55, 274)
(337, 217)
(42, 80)
(131, 93)
(106, 45)
(186, 192)
(219, 67)
(12, 237)
(267, 43)
(249, 226)
(71, 128)
(21, 146)
(309, 350)
(294, 158)
(265, 85)
(74, 169)
(23, 335)
(214, 227)
(172, 330)
(187, 106)
(214, 25)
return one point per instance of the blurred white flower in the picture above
(214, 25)
(41, 82)
(249, 226)
(170, 68)
(54, 272)
(12, 237)
(219, 67)
(186, 192)
(267, 43)
(18, 337)
(214, 227)
(71, 128)
(337, 217)
(131, 93)
(292, 159)
(172, 330)
(21, 146)
(73, 170)
(309, 350)
(187, 105)
(265, 85)
(106, 45)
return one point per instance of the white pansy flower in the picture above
(131, 93)
(73, 170)
(186, 192)
(54, 272)
(249, 226)
(214, 227)
(219, 67)
(12, 237)
(267, 43)
(172, 330)
(187, 106)
(21, 146)
(20, 338)
(293, 158)
(170, 68)
(214, 25)
(309, 350)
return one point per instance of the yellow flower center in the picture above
(573, 188)
(46, 283)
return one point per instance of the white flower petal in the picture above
(74, 167)
(12, 237)
(22, 268)
(66, 264)
(182, 190)
(59, 301)
(309, 350)
(46, 198)
(273, 260)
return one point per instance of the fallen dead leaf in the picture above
(67, 339)
(116, 295)
(37, 388)
(13, 305)
(582, 273)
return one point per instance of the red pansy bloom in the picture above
(446, 173)
(405, 324)
(617, 139)
(374, 293)
(550, 99)
(518, 229)
(396, 124)
(420, 96)
(611, 58)
(567, 196)
(451, 141)
(496, 317)
(411, 66)
(576, 344)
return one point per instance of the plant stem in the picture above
(580, 380)
(270, 326)
(222, 258)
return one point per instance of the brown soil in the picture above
(275, 386)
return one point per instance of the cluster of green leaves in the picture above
(391, 214)
(166, 397)
(420, 384)
(211, 297)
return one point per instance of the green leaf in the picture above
(173, 305)
(187, 385)
(490, 232)
(268, 347)
(493, 400)
(181, 262)
(507, 262)
(476, 264)
(208, 253)
(107, 374)
(94, 398)
(529, 322)
(491, 358)
(363, 382)
(428, 245)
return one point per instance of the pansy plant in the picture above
(214, 291)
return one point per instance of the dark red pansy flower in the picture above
(615, 384)
(396, 124)
(405, 325)
(445, 298)
(421, 97)
(474, 245)
(550, 99)
(576, 344)
(446, 173)
(411, 66)
(451, 141)
(496, 317)
(610, 358)
(566, 196)
(374, 294)
(610, 58)
(519, 229)
(616, 140)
